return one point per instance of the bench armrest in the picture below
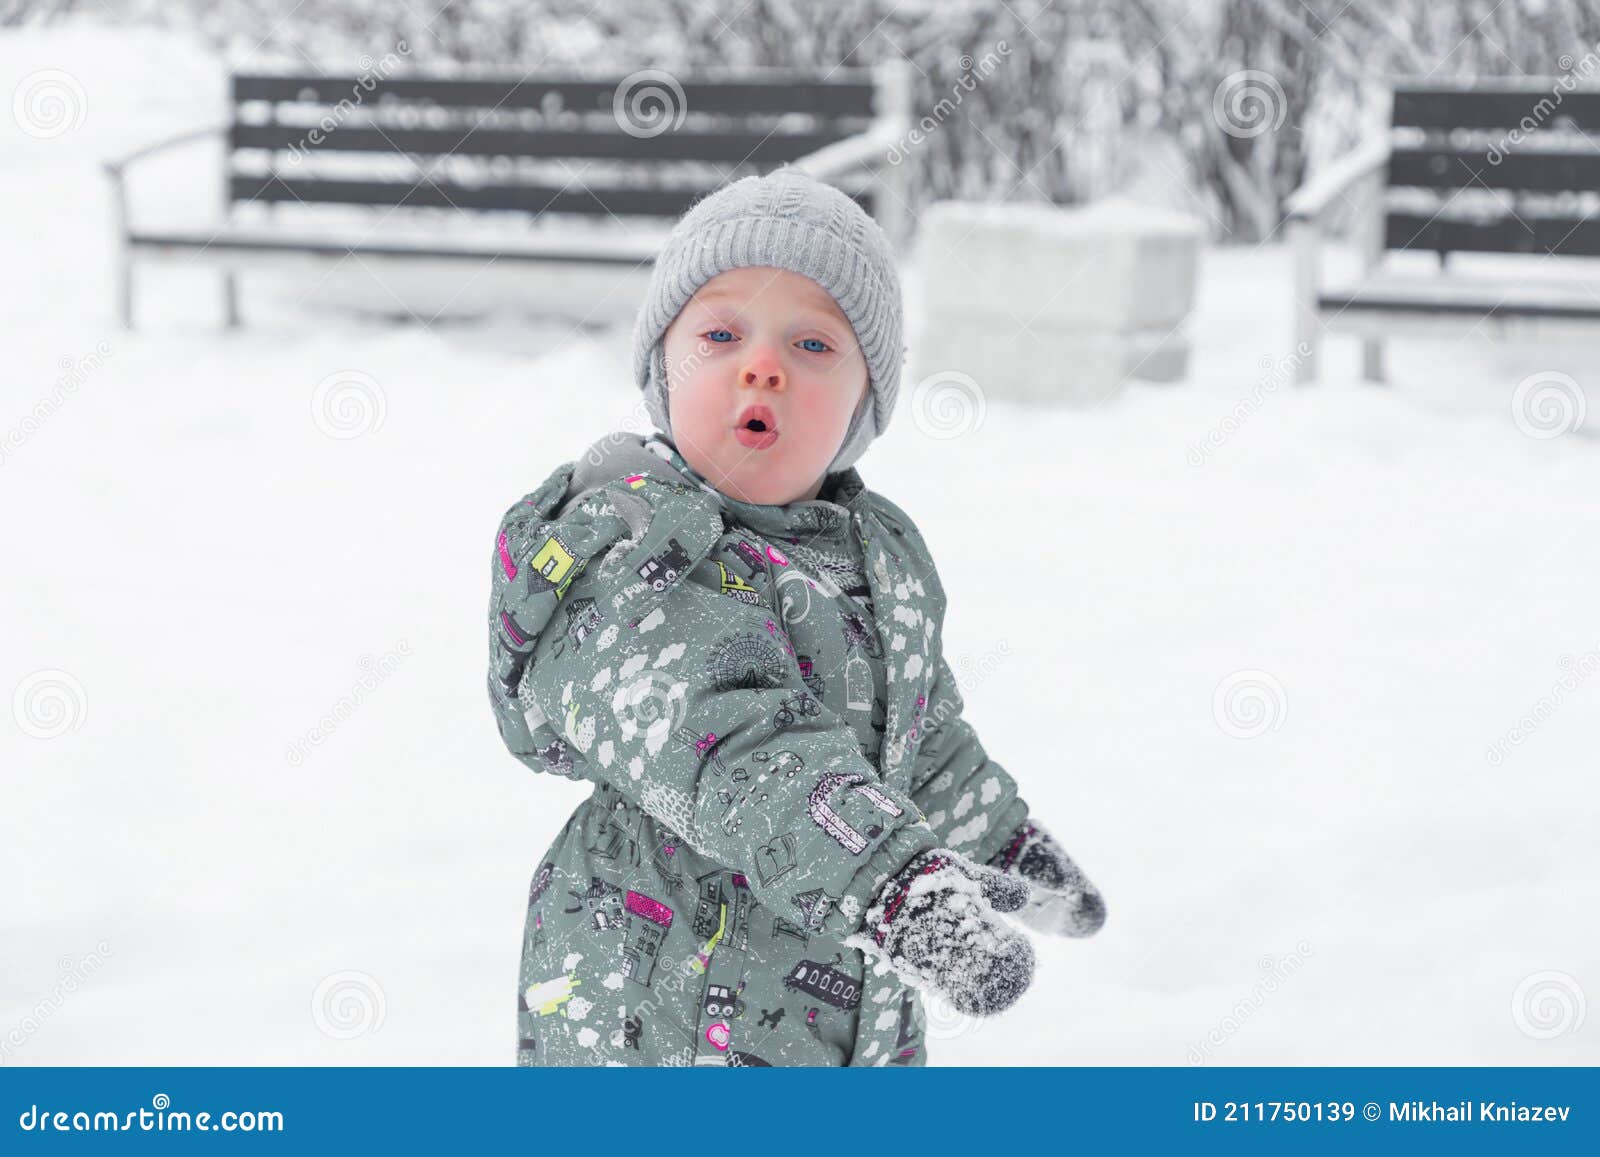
(1307, 207)
(863, 149)
(116, 165)
(879, 148)
(1312, 199)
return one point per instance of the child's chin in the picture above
(763, 491)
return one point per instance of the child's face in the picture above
(759, 337)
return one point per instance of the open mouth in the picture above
(757, 427)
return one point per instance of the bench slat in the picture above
(776, 93)
(1468, 168)
(532, 247)
(1567, 236)
(570, 198)
(756, 147)
(1479, 293)
(1491, 108)
(1340, 302)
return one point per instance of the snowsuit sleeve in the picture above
(688, 702)
(971, 801)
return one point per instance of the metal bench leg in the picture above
(230, 298)
(122, 278)
(1308, 338)
(1304, 239)
(1372, 359)
(125, 288)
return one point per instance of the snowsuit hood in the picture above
(759, 696)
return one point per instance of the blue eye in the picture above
(718, 340)
(819, 341)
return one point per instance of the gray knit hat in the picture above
(786, 219)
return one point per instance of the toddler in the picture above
(793, 834)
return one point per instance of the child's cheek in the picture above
(697, 402)
(823, 412)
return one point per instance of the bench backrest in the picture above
(1495, 167)
(643, 144)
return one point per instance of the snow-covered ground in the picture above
(197, 567)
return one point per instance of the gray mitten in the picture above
(935, 922)
(1064, 901)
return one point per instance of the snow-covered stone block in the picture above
(1109, 265)
(1044, 363)
(1043, 304)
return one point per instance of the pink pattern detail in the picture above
(653, 910)
(772, 629)
(505, 558)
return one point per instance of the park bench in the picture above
(546, 169)
(1505, 171)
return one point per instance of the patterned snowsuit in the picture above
(759, 695)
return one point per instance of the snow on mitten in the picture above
(1064, 901)
(935, 923)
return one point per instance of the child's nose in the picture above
(763, 369)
